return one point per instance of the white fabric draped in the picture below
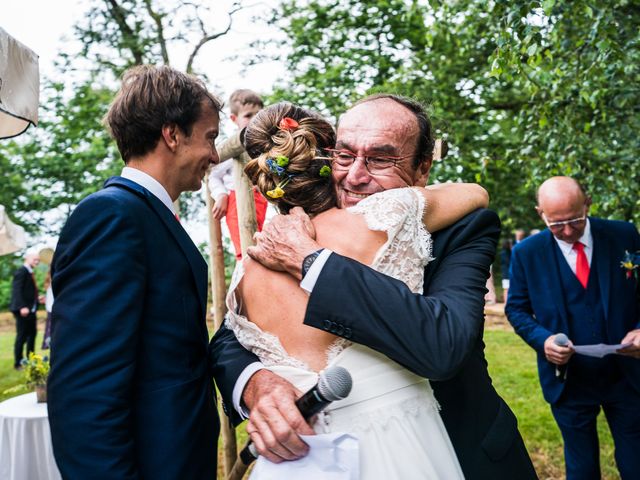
(19, 86)
(25, 440)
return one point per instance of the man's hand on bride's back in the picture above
(284, 242)
(275, 423)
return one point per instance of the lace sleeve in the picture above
(399, 212)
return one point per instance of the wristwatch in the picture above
(308, 261)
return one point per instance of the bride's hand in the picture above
(275, 423)
(285, 242)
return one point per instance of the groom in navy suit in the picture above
(568, 279)
(130, 395)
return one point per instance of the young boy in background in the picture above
(243, 105)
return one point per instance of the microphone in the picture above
(334, 383)
(561, 370)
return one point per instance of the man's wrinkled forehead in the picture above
(383, 123)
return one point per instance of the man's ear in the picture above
(422, 175)
(170, 136)
(233, 117)
(539, 210)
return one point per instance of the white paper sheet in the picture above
(599, 350)
(332, 456)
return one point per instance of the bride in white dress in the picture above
(391, 411)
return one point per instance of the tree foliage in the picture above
(521, 90)
(69, 155)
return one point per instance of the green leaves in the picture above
(523, 89)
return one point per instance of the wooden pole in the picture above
(440, 149)
(218, 294)
(245, 203)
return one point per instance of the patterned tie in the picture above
(582, 265)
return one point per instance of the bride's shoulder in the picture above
(395, 200)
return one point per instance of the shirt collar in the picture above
(586, 239)
(147, 181)
(28, 267)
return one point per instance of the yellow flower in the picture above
(276, 192)
(628, 265)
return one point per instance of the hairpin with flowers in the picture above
(278, 167)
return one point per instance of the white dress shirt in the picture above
(570, 255)
(221, 179)
(147, 181)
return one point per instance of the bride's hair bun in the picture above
(303, 142)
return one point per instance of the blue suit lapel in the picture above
(554, 283)
(602, 258)
(197, 263)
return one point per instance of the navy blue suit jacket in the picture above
(130, 395)
(437, 335)
(23, 290)
(536, 306)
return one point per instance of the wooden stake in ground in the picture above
(218, 294)
(245, 203)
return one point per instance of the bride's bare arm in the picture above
(446, 203)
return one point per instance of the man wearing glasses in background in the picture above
(568, 279)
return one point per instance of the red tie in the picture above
(582, 265)
(177, 217)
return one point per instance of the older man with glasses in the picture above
(384, 142)
(568, 279)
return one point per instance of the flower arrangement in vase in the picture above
(36, 370)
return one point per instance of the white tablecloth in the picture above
(25, 440)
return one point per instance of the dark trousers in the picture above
(576, 412)
(25, 334)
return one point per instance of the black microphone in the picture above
(334, 383)
(561, 370)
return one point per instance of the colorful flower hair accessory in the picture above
(274, 167)
(288, 123)
(325, 171)
(282, 161)
(279, 190)
(275, 193)
(278, 166)
(631, 263)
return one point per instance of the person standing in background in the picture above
(568, 279)
(24, 303)
(243, 104)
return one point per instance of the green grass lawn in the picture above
(8, 376)
(513, 369)
(512, 365)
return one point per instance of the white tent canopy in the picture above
(12, 236)
(19, 86)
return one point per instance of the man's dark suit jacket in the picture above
(438, 336)
(23, 290)
(536, 305)
(129, 391)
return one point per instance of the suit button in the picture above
(340, 330)
(326, 325)
(347, 333)
(334, 327)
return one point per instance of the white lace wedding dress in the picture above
(390, 410)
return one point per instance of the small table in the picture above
(25, 440)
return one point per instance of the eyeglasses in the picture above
(375, 165)
(574, 223)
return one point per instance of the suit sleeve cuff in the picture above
(240, 385)
(310, 279)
